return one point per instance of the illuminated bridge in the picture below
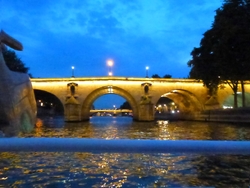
(77, 95)
(112, 110)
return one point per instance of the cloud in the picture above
(135, 33)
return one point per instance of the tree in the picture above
(125, 105)
(13, 62)
(155, 76)
(167, 76)
(223, 55)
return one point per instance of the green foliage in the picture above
(13, 62)
(155, 76)
(125, 105)
(167, 76)
(223, 54)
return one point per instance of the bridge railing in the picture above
(123, 146)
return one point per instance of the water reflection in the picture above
(127, 170)
(40, 169)
(125, 127)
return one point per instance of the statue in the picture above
(17, 101)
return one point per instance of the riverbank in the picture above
(240, 115)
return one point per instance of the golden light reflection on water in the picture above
(116, 129)
(39, 123)
(42, 169)
(107, 170)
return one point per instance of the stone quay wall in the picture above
(240, 115)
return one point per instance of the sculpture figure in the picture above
(17, 101)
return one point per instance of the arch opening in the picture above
(177, 103)
(166, 105)
(111, 105)
(91, 98)
(47, 103)
(108, 101)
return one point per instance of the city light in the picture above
(110, 64)
(167, 108)
(147, 71)
(73, 68)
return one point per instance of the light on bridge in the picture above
(147, 71)
(73, 68)
(110, 89)
(110, 64)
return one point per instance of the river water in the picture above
(58, 169)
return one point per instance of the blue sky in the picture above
(57, 35)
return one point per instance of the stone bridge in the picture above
(78, 94)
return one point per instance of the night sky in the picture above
(57, 35)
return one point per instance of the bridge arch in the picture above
(47, 100)
(186, 100)
(87, 103)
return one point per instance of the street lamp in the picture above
(110, 64)
(73, 68)
(147, 71)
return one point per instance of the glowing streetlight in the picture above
(73, 68)
(147, 71)
(110, 64)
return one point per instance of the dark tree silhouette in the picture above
(167, 76)
(125, 105)
(223, 55)
(13, 62)
(155, 76)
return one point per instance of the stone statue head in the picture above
(9, 41)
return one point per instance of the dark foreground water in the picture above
(45, 169)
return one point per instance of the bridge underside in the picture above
(187, 102)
